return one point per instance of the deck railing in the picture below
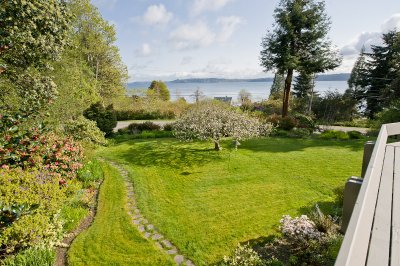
(355, 245)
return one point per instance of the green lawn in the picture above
(112, 239)
(206, 202)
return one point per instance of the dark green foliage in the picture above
(277, 87)
(334, 106)
(105, 118)
(159, 89)
(376, 75)
(306, 122)
(168, 127)
(139, 127)
(287, 123)
(298, 42)
(355, 134)
(389, 115)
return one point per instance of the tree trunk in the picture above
(217, 146)
(311, 96)
(286, 93)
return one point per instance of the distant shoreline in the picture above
(322, 77)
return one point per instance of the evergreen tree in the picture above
(303, 90)
(298, 41)
(375, 75)
(277, 87)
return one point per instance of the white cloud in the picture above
(144, 50)
(157, 15)
(228, 26)
(186, 60)
(200, 6)
(367, 39)
(191, 36)
(392, 23)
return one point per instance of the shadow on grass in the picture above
(168, 153)
(279, 145)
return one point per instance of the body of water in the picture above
(258, 90)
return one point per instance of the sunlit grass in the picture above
(206, 202)
(112, 239)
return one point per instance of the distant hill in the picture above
(323, 77)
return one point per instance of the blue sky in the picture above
(221, 38)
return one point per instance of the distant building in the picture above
(225, 99)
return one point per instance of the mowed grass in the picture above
(112, 239)
(206, 202)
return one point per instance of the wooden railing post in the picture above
(368, 148)
(351, 190)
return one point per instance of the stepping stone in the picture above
(136, 210)
(150, 227)
(157, 237)
(172, 251)
(144, 221)
(137, 222)
(166, 243)
(159, 245)
(141, 228)
(179, 259)
(189, 263)
(136, 216)
(147, 235)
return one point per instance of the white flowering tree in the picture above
(212, 120)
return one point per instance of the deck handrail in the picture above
(354, 248)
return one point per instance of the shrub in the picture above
(135, 128)
(334, 134)
(243, 256)
(83, 129)
(105, 118)
(324, 223)
(33, 256)
(299, 133)
(168, 127)
(30, 201)
(305, 122)
(355, 135)
(285, 123)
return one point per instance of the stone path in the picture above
(147, 229)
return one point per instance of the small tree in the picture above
(105, 118)
(159, 89)
(213, 121)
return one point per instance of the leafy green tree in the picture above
(32, 35)
(298, 42)
(159, 90)
(95, 38)
(277, 87)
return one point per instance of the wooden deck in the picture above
(373, 234)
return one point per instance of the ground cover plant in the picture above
(207, 202)
(112, 239)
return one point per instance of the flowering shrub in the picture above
(62, 156)
(85, 130)
(299, 229)
(243, 256)
(213, 121)
(33, 148)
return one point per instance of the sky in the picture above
(177, 39)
